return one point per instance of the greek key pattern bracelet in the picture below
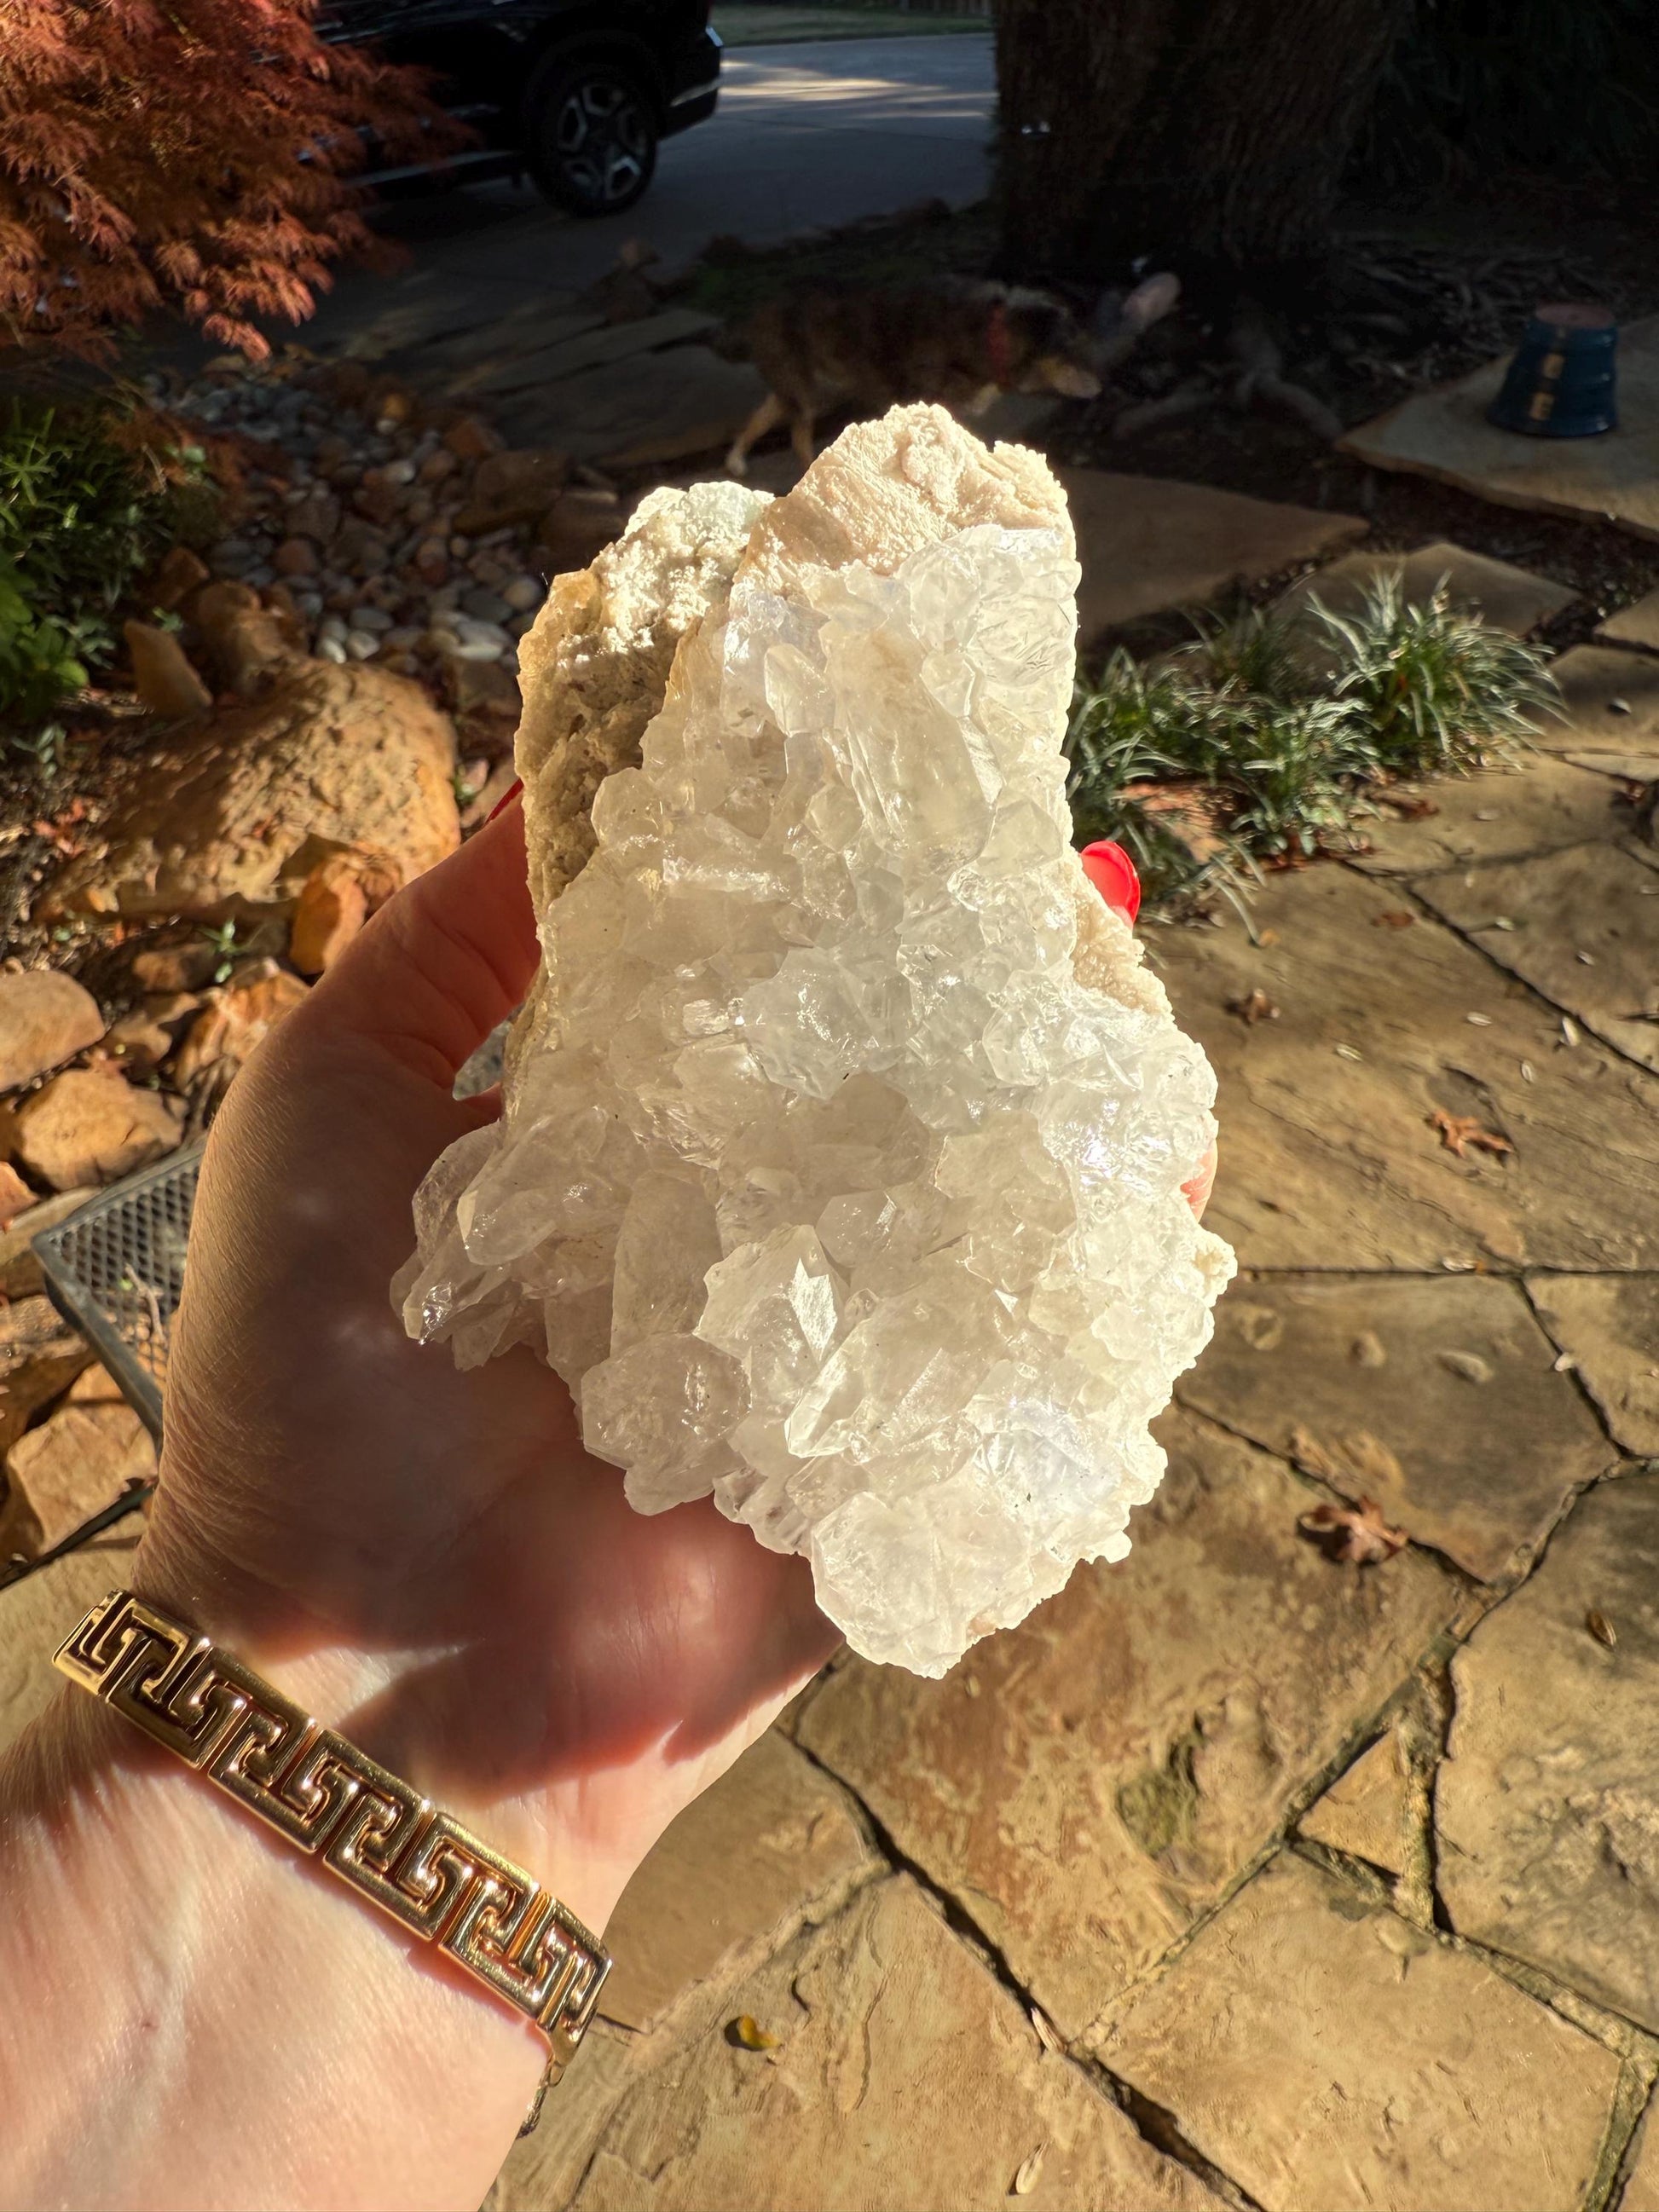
(382, 1837)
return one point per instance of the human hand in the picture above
(429, 1557)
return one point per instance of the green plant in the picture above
(225, 942)
(81, 513)
(1434, 688)
(1264, 739)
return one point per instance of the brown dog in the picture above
(959, 344)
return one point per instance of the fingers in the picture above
(1112, 872)
(444, 961)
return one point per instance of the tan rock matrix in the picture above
(840, 1173)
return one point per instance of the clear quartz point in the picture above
(840, 1173)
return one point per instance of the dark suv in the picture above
(576, 92)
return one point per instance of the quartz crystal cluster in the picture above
(840, 1173)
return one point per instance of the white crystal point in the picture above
(840, 1171)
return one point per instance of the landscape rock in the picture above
(1609, 1326)
(46, 1019)
(180, 573)
(1150, 543)
(513, 487)
(63, 1472)
(771, 1842)
(1114, 1763)
(238, 1019)
(142, 1040)
(902, 2074)
(171, 968)
(20, 1269)
(472, 439)
(481, 687)
(40, 1355)
(1365, 1810)
(1547, 1807)
(244, 643)
(15, 1194)
(336, 900)
(1580, 925)
(228, 823)
(1408, 1431)
(575, 529)
(92, 1126)
(1405, 2072)
(162, 677)
(37, 1614)
(1331, 1154)
(651, 408)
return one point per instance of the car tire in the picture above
(590, 132)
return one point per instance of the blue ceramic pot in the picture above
(1561, 383)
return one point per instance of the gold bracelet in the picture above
(387, 1841)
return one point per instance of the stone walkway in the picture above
(1239, 1877)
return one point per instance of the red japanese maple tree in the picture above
(185, 155)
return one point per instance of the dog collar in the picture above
(998, 344)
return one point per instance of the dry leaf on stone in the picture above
(1408, 806)
(1045, 2033)
(1254, 1006)
(1469, 1367)
(1395, 918)
(1030, 2169)
(749, 2035)
(1459, 1131)
(1601, 1628)
(1358, 1535)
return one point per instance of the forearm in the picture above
(197, 2015)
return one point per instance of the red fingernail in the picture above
(1112, 872)
(505, 800)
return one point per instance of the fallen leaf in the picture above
(1396, 918)
(1459, 1131)
(1045, 2033)
(1254, 1006)
(1601, 1628)
(1357, 1535)
(1568, 1030)
(1469, 1367)
(1026, 2179)
(1408, 806)
(749, 2035)
(1348, 1052)
(1268, 937)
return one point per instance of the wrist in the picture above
(275, 2038)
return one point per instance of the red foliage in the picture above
(150, 158)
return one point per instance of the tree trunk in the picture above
(1211, 128)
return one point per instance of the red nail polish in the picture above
(1112, 872)
(505, 800)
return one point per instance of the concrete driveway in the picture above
(807, 135)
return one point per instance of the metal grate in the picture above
(116, 1267)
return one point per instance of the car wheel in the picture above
(593, 138)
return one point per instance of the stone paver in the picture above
(904, 2076)
(631, 413)
(1581, 925)
(1445, 434)
(737, 1868)
(509, 364)
(1090, 1782)
(1364, 1811)
(1547, 1807)
(1541, 803)
(38, 1611)
(1636, 624)
(1150, 542)
(1610, 702)
(1509, 598)
(1609, 1327)
(1328, 2057)
(1641, 2191)
(1325, 1156)
(1413, 1390)
(40, 1355)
